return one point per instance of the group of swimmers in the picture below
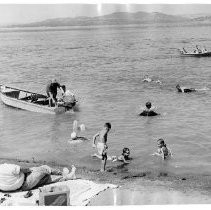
(163, 151)
(149, 110)
(101, 145)
(179, 88)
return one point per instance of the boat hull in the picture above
(22, 99)
(13, 102)
(196, 54)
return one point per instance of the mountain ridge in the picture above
(116, 18)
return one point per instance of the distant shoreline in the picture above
(96, 27)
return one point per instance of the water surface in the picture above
(105, 66)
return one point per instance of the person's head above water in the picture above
(54, 80)
(178, 86)
(107, 126)
(73, 135)
(161, 142)
(126, 152)
(148, 105)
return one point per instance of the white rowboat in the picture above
(29, 101)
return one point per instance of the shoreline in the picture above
(128, 180)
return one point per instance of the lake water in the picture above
(104, 67)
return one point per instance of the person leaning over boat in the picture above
(51, 91)
(68, 98)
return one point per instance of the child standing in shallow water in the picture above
(102, 144)
(163, 151)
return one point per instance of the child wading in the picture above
(102, 144)
(163, 151)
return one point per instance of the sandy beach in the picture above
(150, 187)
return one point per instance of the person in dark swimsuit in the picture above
(51, 91)
(184, 89)
(148, 111)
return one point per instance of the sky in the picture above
(26, 13)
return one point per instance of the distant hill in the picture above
(118, 18)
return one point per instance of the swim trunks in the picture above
(102, 150)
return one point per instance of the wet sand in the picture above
(137, 188)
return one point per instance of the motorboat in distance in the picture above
(195, 53)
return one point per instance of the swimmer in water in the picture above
(147, 79)
(158, 81)
(163, 151)
(184, 89)
(149, 110)
(76, 129)
(124, 157)
(188, 90)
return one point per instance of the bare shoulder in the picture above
(97, 134)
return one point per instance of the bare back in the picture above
(103, 136)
